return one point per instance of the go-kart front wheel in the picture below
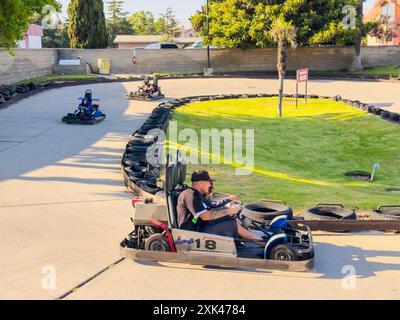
(157, 242)
(283, 252)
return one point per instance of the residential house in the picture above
(389, 9)
(32, 38)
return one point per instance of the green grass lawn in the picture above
(388, 71)
(52, 78)
(392, 71)
(302, 158)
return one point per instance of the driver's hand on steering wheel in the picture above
(233, 209)
(233, 197)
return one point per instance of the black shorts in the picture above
(226, 227)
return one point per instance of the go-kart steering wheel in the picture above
(239, 214)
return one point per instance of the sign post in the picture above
(301, 76)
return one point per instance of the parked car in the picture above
(199, 45)
(155, 46)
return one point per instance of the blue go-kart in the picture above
(87, 112)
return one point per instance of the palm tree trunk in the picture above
(281, 72)
(357, 64)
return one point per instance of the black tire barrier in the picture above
(32, 86)
(329, 212)
(385, 114)
(377, 111)
(391, 212)
(394, 117)
(10, 91)
(22, 88)
(5, 94)
(371, 109)
(134, 164)
(139, 143)
(145, 186)
(267, 210)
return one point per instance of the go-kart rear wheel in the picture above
(283, 252)
(157, 242)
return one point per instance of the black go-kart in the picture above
(157, 237)
(87, 112)
(147, 91)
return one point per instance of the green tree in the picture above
(15, 16)
(284, 34)
(87, 24)
(245, 23)
(117, 22)
(53, 38)
(159, 26)
(171, 29)
(142, 22)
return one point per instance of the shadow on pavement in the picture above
(46, 141)
(330, 261)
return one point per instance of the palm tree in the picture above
(284, 33)
(357, 65)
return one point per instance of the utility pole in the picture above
(208, 33)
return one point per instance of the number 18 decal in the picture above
(208, 244)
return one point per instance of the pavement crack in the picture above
(83, 283)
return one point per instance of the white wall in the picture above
(35, 42)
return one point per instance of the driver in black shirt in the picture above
(195, 213)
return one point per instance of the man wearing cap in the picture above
(197, 213)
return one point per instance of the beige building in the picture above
(131, 42)
(135, 41)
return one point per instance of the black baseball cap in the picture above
(201, 175)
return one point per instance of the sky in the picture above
(183, 8)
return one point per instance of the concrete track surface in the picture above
(64, 208)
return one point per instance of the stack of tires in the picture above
(8, 92)
(136, 166)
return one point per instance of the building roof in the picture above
(137, 39)
(35, 30)
(187, 40)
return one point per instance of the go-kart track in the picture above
(64, 208)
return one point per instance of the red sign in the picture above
(302, 75)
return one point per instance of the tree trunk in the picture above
(281, 72)
(357, 64)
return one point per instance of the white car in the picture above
(199, 45)
(156, 46)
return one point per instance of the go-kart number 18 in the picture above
(208, 244)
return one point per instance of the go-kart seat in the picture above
(175, 178)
